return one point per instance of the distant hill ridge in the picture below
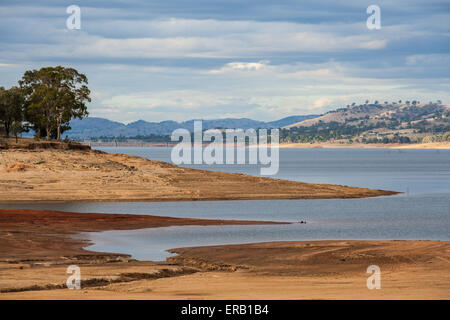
(378, 112)
(93, 127)
(375, 123)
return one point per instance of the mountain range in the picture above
(93, 127)
(373, 122)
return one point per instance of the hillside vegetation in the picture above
(375, 123)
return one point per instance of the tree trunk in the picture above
(58, 136)
(58, 125)
(48, 133)
(7, 129)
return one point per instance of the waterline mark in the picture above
(227, 146)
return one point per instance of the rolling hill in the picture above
(367, 123)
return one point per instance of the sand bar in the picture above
(52, 174)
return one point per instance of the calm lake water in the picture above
(422, 212)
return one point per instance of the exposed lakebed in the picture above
(420, 213)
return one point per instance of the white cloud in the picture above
(425, 59)
(181, 99)
(187, 38)
(241, 66)
(262, 91)
(142, 67)
(322, 102)
(217, 46)
(8, 65)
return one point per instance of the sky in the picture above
(177, 60)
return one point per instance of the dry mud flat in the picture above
(36, 249)
(294, 270)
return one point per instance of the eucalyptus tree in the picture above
(54, 96)
(11, 110)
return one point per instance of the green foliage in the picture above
(54, 96)
(11, 110)
(375, 123)
(445, 137)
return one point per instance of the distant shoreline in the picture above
(325, 145)
(433, 145)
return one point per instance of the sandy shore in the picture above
(87, 175)
(33, 264)
(432, 145)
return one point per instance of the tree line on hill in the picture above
(376, 123)
(376, 102)
(445, 137)
(323, 132)
(44, 101)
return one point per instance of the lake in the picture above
(422, 212)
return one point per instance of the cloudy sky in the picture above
(176, 59)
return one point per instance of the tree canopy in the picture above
(53, 96)
(11, 110)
